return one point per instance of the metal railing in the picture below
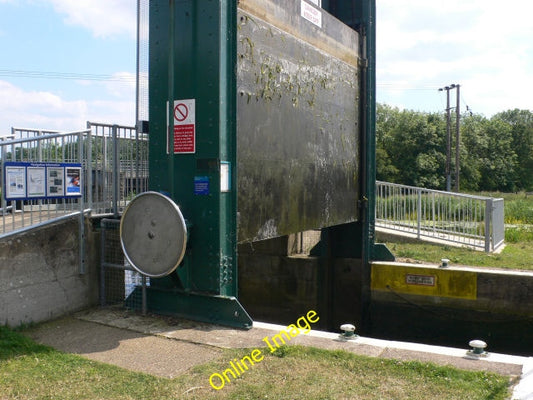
(114, 162)
(118, 169)
(472, 221)
(27, 146)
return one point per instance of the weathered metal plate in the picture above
(153, 234)
(297, 120)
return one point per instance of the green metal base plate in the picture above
(382, 253)
(214, 309)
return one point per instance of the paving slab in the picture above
(125, 348)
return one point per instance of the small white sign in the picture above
(421, 280)
(15, 182)
(55, 181)
(224, 176)
(311, 14)
(73, 181)
(36, 181)
(317, 3)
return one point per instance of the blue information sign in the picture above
(201, 185)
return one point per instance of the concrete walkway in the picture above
(168, 347)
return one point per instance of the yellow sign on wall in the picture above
(426, 281)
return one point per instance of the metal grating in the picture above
(119, 283)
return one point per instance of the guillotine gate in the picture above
(262, 117)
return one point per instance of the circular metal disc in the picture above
(153, 234)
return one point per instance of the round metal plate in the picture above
(153, 234)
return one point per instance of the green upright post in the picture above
(193, 152)
(361, 16)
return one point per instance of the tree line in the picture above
(496, 154)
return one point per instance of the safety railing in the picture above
(118, 169)
(24, 146)
(114, 167)
(472, 221)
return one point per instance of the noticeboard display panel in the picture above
(41, 180)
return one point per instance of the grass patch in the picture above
(518, 253)
(32, 371)
(514, 256)
(518, 206)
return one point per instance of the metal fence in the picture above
(114, 163)
(120, 284)
(472, 221)
(118, 167)
(25, 145)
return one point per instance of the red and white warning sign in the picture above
(311, 14)
(184, 140)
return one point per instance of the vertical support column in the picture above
(448, 143)
(192, 71)
(89, 168)
(418, 212)
(368, 158)
(116, 166)
(457, 137)
(82, 211)
(361, 16)
(488, 224)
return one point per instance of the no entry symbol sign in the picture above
(184, 140)
(181, 112)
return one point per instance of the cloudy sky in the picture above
(63, 62)
(486, 46)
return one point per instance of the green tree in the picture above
(473, 140)
(497, 159)
(495, 153)
(410, 147)
(521, 124)
(386, 120)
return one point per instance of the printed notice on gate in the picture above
(184, 138)
(311, 14)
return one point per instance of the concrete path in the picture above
(168, 347)
(125, 348)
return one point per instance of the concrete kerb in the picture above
(524, 389)
(207, 340)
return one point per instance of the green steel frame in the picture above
(357, 240)
(193, 56)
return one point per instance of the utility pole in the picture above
(449, 139)
(457, 137)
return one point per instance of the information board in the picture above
(41, 180)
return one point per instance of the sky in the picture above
(486, 46)
(64, 62)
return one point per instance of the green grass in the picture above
(518, 252)
(32, 371)
(514, 256)
(518, 206)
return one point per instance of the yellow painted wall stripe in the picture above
(426, 281)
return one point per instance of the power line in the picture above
(14, 73)
(400, 86)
